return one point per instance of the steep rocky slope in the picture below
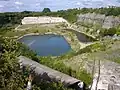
(101, 19)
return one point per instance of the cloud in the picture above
(4, 0)
(17, 7)
(18, 3)
(38, 5)
(1, 6)
(118, 1)
(78, 3)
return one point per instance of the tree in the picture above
(11, 76)
(46, 10)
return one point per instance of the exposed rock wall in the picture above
(42, 20)
(101, 19)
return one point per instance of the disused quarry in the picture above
(100, 19)
(101, 64)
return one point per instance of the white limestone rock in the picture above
(42, 20)
(108, 22)
(116, 21)
(99, 18)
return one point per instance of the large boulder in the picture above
(46, 73)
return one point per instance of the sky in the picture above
(54, 5)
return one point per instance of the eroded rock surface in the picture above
(101, 19)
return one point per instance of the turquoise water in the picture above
(47, 45)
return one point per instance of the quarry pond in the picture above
(46, 45)
(52, 44)
(82, 37)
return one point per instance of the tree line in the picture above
(9, 19)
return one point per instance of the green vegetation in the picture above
(55, 63)
(92, 48)
(10, 19)
(46, 10)
(15, 49)
(49, 86)
(58, 64)
(111, 31)
(11, 76)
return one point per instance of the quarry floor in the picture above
(56, 29)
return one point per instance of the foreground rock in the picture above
(108, 77)
(46, 73)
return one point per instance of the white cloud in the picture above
(78, 3)
(1, 6)
(37, 4)
(93, 0)
(18, 3)
(17, 7)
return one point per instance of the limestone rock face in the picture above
(108, 22)
(86, 18)
(101, 19)
(116, 21)
(91, 18)
(42, 20)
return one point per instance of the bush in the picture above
(110, 32)
(11, 76)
